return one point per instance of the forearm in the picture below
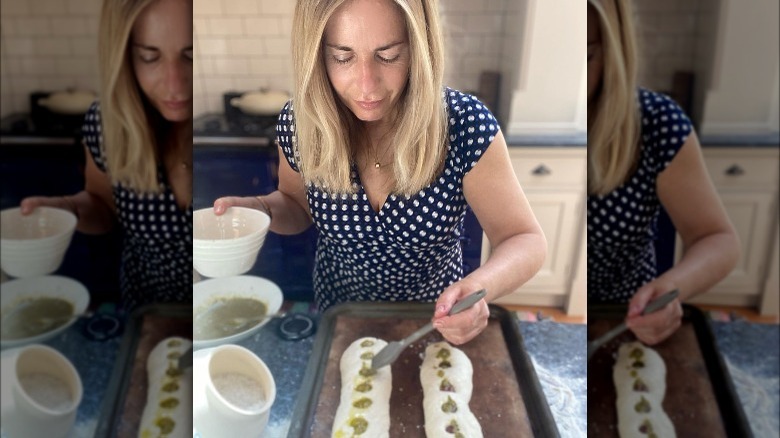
(703, 265)
(95, 217)
(511, 264)
(287, 215)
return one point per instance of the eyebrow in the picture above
(349, 49)
(145, 47)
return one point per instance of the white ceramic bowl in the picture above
(227, 245)
(244, 286)
(35, 244)
(47, 286)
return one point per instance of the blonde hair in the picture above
(128, 122)
(613, 130)
(326, 131)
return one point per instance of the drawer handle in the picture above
(541, 170)
(735, 170)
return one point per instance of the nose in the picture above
(178, 79)
(369, 77)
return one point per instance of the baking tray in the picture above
(700, 396)
(126, 392)
(507, 398)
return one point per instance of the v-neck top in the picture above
(156, 233)
(410, 249)
(622, 225)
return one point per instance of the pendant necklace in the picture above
(377, 163)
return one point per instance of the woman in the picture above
(643, 154)
(384, 160)
(139, 143)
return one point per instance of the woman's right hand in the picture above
(222, 204)
(29, 204)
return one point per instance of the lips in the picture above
(369, 105)
(177, 104)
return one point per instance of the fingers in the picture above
(640, 300)
(656, 327)
(446, 300)
(222, 204)
(464, 326)
(28, 205)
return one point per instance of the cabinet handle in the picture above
(735, 170)
(541, 170)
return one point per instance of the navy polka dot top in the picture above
(622, 223)
(156, 234)
(409, 250)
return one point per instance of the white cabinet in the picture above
(553, 179)
(747, 181)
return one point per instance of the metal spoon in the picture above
(651, 307)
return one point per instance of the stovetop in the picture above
(234, 126)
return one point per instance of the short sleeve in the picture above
(285, 132)
(92, 133)
(665, 128)
(472, 128)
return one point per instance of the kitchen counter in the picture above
(547, 140)
(752, 352)
(740, 140)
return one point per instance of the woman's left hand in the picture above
(466, 325)
(657, 326)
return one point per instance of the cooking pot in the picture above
(72, 102)
(261, 103)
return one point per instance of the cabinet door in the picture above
(557, 213)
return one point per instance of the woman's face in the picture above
(595, 53)
(161, 50)
(367, 56)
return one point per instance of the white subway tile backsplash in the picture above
(241, 7)
(263, 26)
(16, 8)
(7, 26)
(279, 46)
(226, 26)
(72, 66)
(19, 46)
(231, 66)
(55, 46)
(48, 7)
(247, 83)
(33, 65)
(33, 26)
(207, 8)
(278, 7)
(69, 26)
(84, 7)
(276, 66)
(211, 46)
(245, 46)
(83, 46)
(484, 23)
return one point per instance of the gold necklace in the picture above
(377, 161)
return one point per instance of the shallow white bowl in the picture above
(35, 244)
(244, 286)
(47, 286)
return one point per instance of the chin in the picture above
(177, 116)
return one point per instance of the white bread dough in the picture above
(446, 378)
(169, 394)
(640, 383)
(364, 409)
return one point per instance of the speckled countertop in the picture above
(752, 352)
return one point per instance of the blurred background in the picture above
(719, 59)
(48, 78)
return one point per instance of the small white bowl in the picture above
(35, 244)
(227, 245)
(244, 286)
(50, 286)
